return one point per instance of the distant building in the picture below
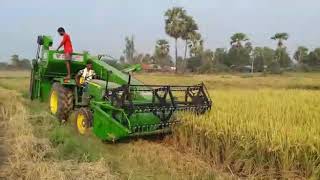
(157, 68)
(150, 67)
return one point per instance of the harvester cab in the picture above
(117, 105)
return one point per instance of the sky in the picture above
(100, 26)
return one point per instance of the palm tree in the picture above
(174, 25)
(129, 49)
(280, 37)
(190, 27)
(195, 44)
(238, 38)
(162, 47)
(237, 53)
(161, 53)
(301, 54)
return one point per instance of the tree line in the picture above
(16, 63)
(240, 56)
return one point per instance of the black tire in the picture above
(83, 120)
(64, 104)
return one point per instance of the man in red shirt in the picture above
(67, 47)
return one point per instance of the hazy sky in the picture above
(101, 26)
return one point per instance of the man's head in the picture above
(61, 31)
(89, 64)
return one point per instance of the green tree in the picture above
(193, 63)
(301, 55)
(25, 64)
(314, 57)
(237, 39)
(129, 49)
(238, 54)
(174, 26)
(195, 44)
(258, 59)
(161, 53)
(268, 55)
(281, 55)
(263, 56)
(18, 63)
(221, 56)
(207, 61)
(15, 62)
(162, 48)
(280, 37)
(189, 28)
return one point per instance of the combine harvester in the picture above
(115, 105)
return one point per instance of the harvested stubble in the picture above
(264, 133)
(29, 156)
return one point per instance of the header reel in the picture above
(161, 100)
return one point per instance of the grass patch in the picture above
(247, 75)
(68, 144)
(73, 147)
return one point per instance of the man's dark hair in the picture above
(89, 61)
(61, 29)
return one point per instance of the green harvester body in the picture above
(121, 106)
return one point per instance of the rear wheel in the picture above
(83, 120)
(61, 101)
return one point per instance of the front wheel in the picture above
(83, 120)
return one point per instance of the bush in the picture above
(274, 68)
(221, 68)
(72, 147)
(302, 68)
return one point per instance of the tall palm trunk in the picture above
(176, 53)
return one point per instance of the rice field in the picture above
(264, 133)
(270, 128)
(260, 127)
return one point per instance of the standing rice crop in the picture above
(263, 133)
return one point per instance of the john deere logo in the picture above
(59, 56)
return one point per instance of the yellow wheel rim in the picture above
(54, 102)
(81, 80)
(81, 123)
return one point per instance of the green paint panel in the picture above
(107, 128)
(97, 88)
(101, 68)
(53, 63)
(45, 90)
(141, 119)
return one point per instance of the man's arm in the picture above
(62, 43)
(77, 77)
(94, 75)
